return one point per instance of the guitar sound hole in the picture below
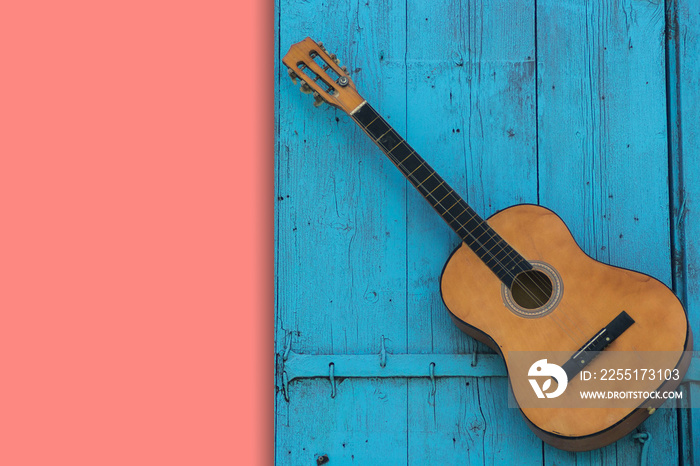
(531, 289)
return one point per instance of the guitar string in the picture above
(410, 176)
(493, 236)
(565, 328)
(476, 240)
(416, 184)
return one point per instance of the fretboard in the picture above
(496, 253)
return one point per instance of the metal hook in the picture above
(474, 356)
(432, 379)
(681, 211)
(331, 368)
(285, 386)
(382, 353)
(644, 438)
(285, 356)
(287, 346)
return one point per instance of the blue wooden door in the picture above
(588, 108)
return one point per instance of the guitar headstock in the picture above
(321, 75)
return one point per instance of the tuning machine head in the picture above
(320, 73)
(305, 88)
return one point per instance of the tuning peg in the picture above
(344, 68)
(292, 75)
(305, 88)
(318, 100)
(335, 59)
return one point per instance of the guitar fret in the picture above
(515, 259)
(451, 191)
(503, 253)
(412, 152)
(465, 223)
(431, 192)
(482, 234)
(397, 145)
(508, 250)
(484, 250)
(493, 258)
(416, 169)
(452, 206)
(474, 238)
(478, 245)
(485, 242)
(495, 255)
(376, 128)
(425, 180)
(430, 184)
(384, 134)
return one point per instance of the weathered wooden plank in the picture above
(279, 341)
(602, 132)
(684, 115)
(412, 365)
(341, 229)
(341, 208)
(689, 423)
(471, 114)
(453, 426)
(603, 154)
(395, 365)
(364, 423)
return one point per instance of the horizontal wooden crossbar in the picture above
(305, 366)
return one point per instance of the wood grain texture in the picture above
(341, 243)
(603, 161)
(337, 201)
(477, 89)
(684, 115)
(364, 424)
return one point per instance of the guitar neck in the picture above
(496, 253)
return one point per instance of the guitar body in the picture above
(591, 294)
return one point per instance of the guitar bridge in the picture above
(598, 343)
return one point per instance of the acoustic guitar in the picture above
(519, 283)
